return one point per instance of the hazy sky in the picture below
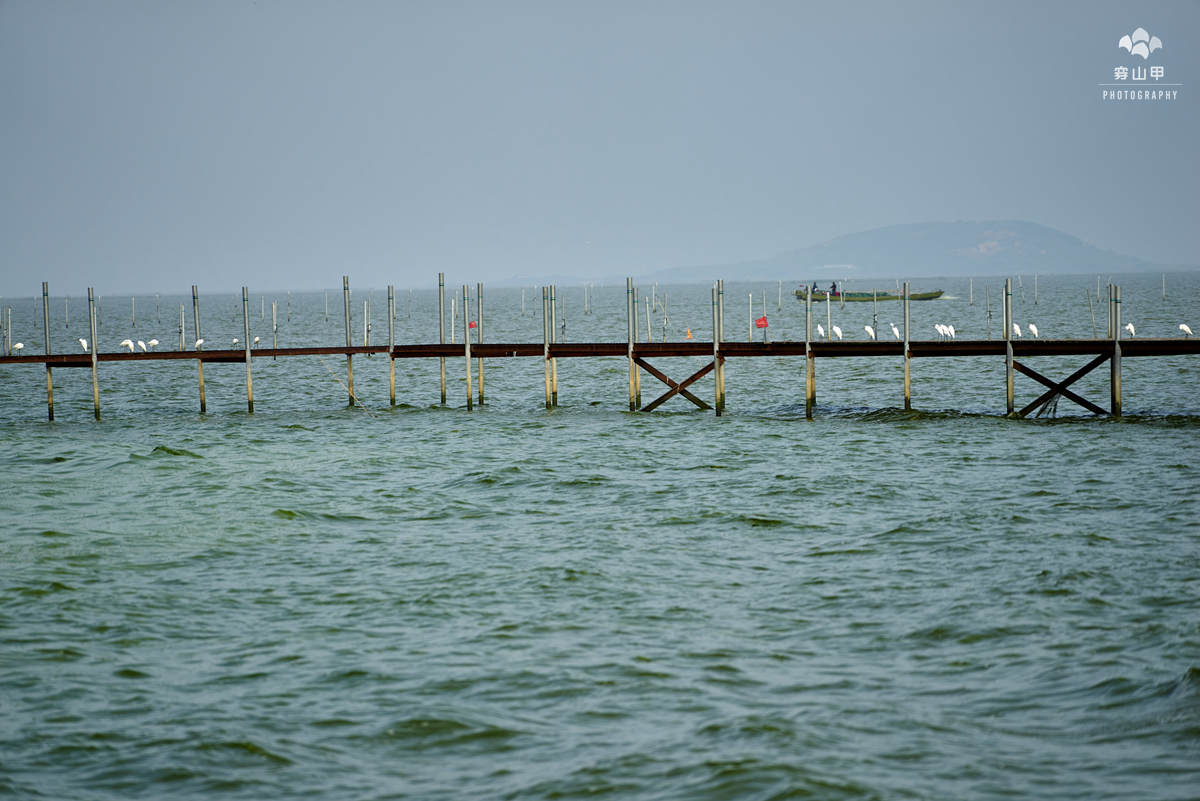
(147, 146)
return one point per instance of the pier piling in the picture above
(92, 324)
(246, 334)
(46, 329)
(199, 361)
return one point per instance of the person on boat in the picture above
(833, 289)
(815, 289)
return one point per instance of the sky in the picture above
(149, 146)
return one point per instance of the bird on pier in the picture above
(895, 330)
(950, 331)
(235, 341)
(19, 346)
(84, 343)
(870, 331)
(127, 343)
(941, 329)
(1187, 332)
(142, 345)
(1016, 329)
(820, 330)
(837, 331)
(199, 342)
(1033, 330)
(153, 342)
(1129, 328)
(256, 340)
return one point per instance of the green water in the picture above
(421, 602)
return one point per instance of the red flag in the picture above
(761, 322)
(472, 325)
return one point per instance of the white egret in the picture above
(199, 342)
(837, 331)
(1187, 332)
(1033, 330)
(950, 331)
(1129, 328)
(19, 346)
(84, 343)
(870, 331)
(895, 330)
(941, 329)
(126, 342)
(142, 345)
(820, 330)
(235, 341)
(256, 340)
(153, 342)
(1016, 329)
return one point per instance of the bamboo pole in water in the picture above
(629, 314)
(810, 371)
(46, 328)
(442, 329)
(182, 323)
(199, 343)
(392, 342)
(467, 344)
(546, 348)
(1092, 309)
(907, 356)
(274, 326)
(95, 376)
(1008, 347)
(479, 333)
(721, 336)
(716, 354)
(246, 333)
(1115, 374)
(637, 371)
(349, 357)
(553, 339)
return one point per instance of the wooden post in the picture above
(392, 342)
(810, 372)
(182, 343)
(828, 318)
(274, 326)
(133, 311)
(637, 371)
(95, 377)
(972, 303)
(546, 349)
(442, 328)
(1008, 347)
(367, 323)
(553, 339)
(629, 313)
(246, 333)
(1035, 290)
(721, 338)
(479, 333)
(199, 361)
(907, 356)
(716, 354)
(467, 345)
(987, 296)
(1115, 374)
(751, 318)
(1092, 309)
(46, 329)
(349, 357)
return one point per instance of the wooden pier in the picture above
(1109, 350)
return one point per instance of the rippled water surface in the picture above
(426, 602)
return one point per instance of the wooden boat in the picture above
(858, 297)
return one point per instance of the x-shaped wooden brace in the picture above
(1061, 389)
(675, 389)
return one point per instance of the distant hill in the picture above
(925, 249)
